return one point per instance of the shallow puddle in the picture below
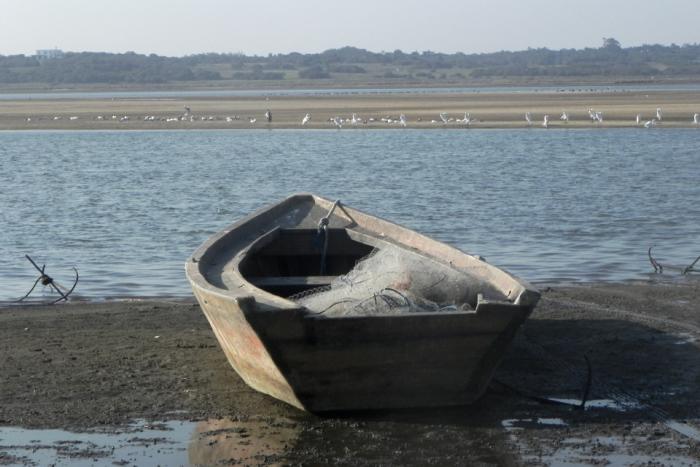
(171, 443)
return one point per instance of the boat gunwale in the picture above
(198, 280)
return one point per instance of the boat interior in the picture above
(288, 261)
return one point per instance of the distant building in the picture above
(49, 53)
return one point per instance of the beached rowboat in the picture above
(256, 282)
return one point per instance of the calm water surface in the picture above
(203, 93)
(127, 208)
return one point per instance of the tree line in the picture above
(609, 60)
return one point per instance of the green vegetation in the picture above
(353, 65)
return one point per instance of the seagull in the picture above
(268, 116)
(443, 117)
(306, 119)
(252, 120)
(564, 117)
(354, 119)
(545, 122)
(639, 119)
(338, 122)
(402, 119)
(658, 113)
(528, 118)
(187, 111)
(696, 119)
(650, 123)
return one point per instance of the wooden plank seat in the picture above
(291, 281)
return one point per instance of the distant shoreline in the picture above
(372, 110)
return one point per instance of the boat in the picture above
(247, 279)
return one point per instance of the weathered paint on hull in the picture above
(319, 364)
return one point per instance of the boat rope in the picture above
(323, 230)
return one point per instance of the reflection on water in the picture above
(250, 442)
(172, 443)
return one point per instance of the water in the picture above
(171, 443)
(208, 93)
(127, 208)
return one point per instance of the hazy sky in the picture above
(182, 27)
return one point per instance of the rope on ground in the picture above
(546, 400)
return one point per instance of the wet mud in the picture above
(106, 366)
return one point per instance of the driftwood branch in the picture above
(47, 280)
(659, 268)
(691, 268)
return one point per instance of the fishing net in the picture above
(392, 281)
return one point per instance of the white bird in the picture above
(73, 118)
(639, 119)
(592, 114)
(528, 118)
(252, 120)
(696, 119)
(598, 117)
(338, 122)
(124, 118)
(467, 120)
(443, 117)
(402, 119)
(229, 119)
(564, 117)
(354, 120)
(29, 119)
(650, 123)
(100, 117)
(545, 122)
(306, 119)
(658, 114)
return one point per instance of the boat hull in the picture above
(357, 362)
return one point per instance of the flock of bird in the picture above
(595, 116)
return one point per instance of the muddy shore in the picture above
(102, 364)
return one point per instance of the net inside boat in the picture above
(391, 280)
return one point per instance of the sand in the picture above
(488, 110)
(82, 365)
